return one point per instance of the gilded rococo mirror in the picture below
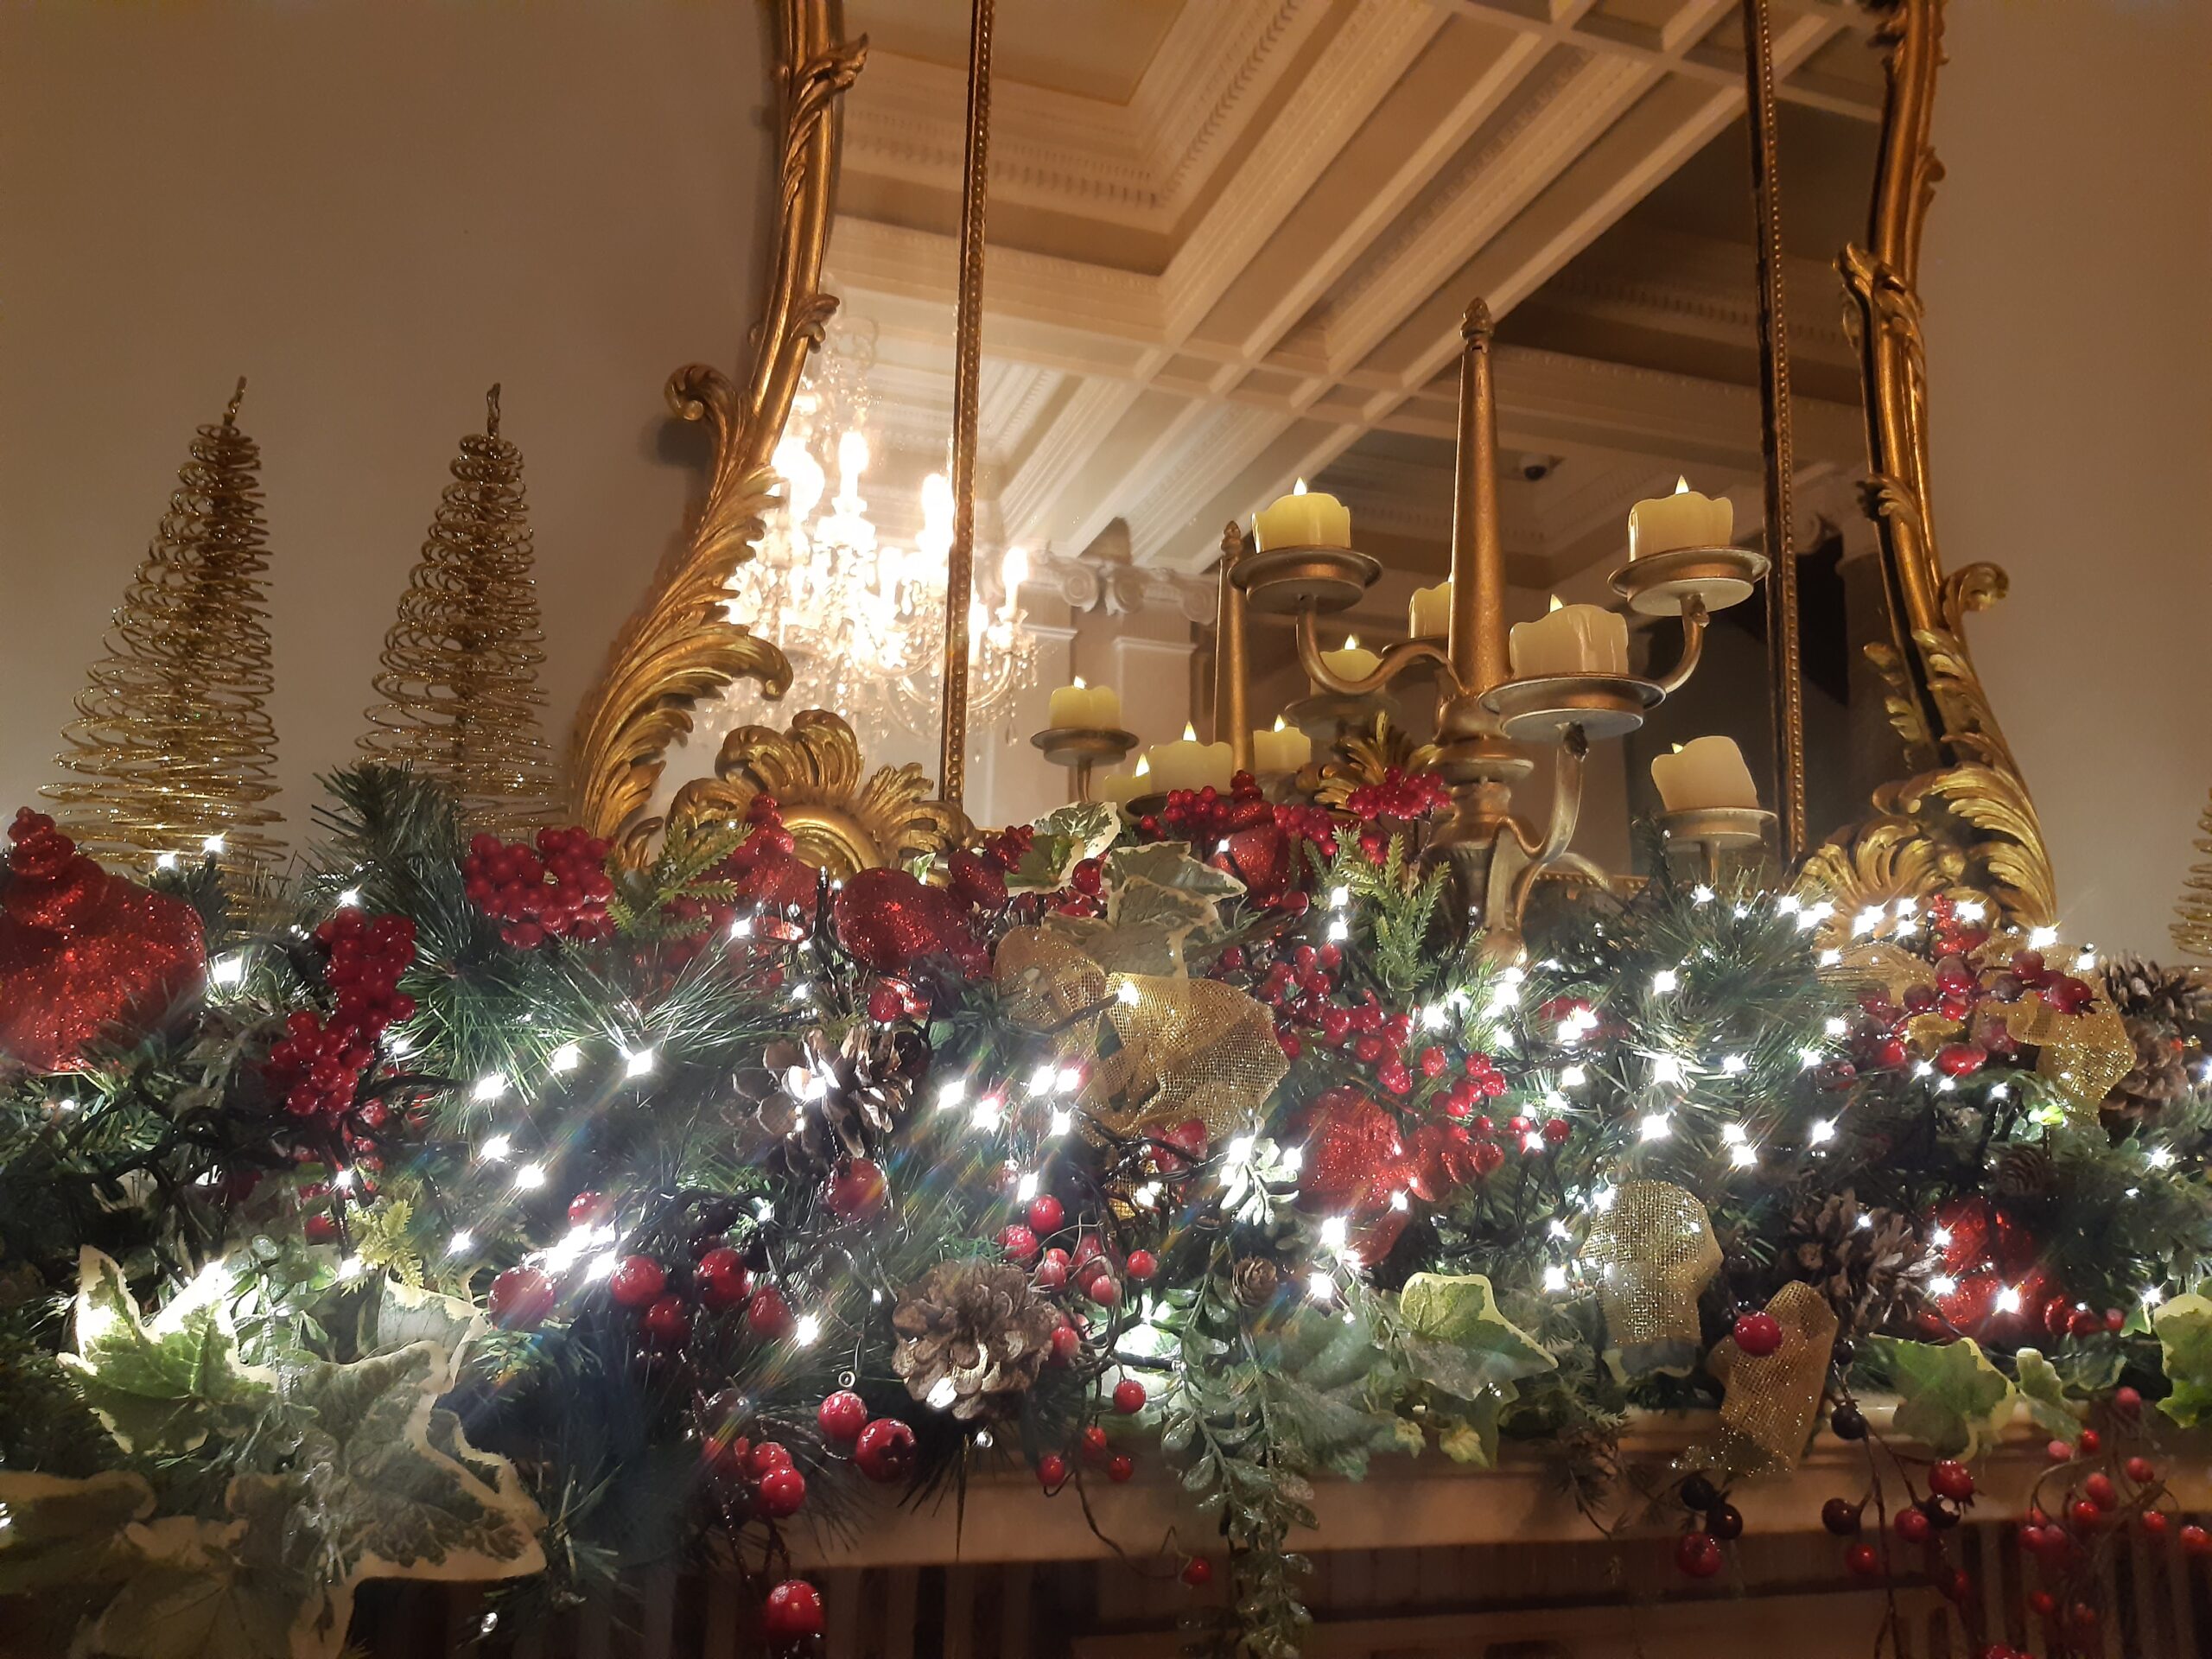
(1229, 248)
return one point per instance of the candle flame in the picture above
(1555, 605)
(1144, 767)
(1299, 488)
(1678, 748)
(1279, 725)
(1352, 642)
(1079, 683)
(1190, 733)
(1682, 485)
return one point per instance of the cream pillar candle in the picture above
(1706, 772)
(1284, 749)
(1123, 787)
(1302, 520)
(1189, 763)
(1091, 709)
(1354, 662)
(1682, 519)
(1431, 611)
(1573, 639)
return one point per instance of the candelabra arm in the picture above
(1693, 618)
(1567, 810)
(1395, 660)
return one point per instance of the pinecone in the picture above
(2164, 1009)
(1870, 1264)
(2023, 1172)
(828, 1102)
(2175, 997)
(972, 1338)
(1256, 1280)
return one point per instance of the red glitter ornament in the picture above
(82, 950)
(1354, 1165)
(890, 921)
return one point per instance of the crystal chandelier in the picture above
(860, 615)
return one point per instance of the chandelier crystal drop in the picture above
(860, 614)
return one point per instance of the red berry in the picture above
(768, 1316)
(1197, 1572)
(322, 1227)
(859, 1191)
(1960, 1060)
(1047, 1214)
(1699, 1554)
(1558, 1131)
(1128, 1395)
(2084, 1515)
(2059, 1451)
(2042, 1603)
(2153, 1522)
(667, 1323)
(2126, 1401)
(1019, 1243)
(1758, 1334)
(1120, 1467)
(1067, 1342)
(1862, 1560)
(885, 1005)
(520, 1300)
(1051, 1272)
(842, 1416)
(792, 1611)
(1953, 1479)
(2101, 1490)
(1142, 1265)
(2196, 1540)
(1434, 1061)
(884, 1451)
(1913, 1526)
(637, 1279)
(2086, 1322)
(782, 1493)
(722, 1277)
(1094, 1445)
(2141, 1471)
(1051, 1471)
(1840, 1517)
(2092, 1443)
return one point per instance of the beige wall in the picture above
(373, 209)
(2068, 262)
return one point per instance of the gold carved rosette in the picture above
(1964, 818)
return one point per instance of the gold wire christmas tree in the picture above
(173, 746)
(2193, 933)
(460, 679)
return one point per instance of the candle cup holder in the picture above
(1145, 806)
(1080, 749)
(1662, 584)
(1329, 718)
(1714, 831)
(1284, 581)
(1542, 708)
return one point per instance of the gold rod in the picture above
(967, 374)
(1476, 644)
(1232, 669)
(1783, 653)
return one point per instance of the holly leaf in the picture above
(2043, 1392)
(61, 1531)
(1066, 836)
(163, 1386)
(2184, 1327)
(1165, 864)
(1950, 1398)
(220, 1590)
(386, 1500)
(1456, 1339)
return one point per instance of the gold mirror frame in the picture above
(1963, 818)
(680, 645)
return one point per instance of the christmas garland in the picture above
(500, 1211)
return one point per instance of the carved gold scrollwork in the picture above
(681, 646)
(1966, 820)
(842, 821)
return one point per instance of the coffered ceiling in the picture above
(1230, 242)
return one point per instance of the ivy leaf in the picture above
(217, 1590)
(162, 1387)
(1459, 1341)
(2183, 1326)
(1473, 1438)
(2044, 1393)
(407, 1314)
(1950, 1398)
(61, 1531)
(386, 1500)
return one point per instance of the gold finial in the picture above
(492, 411)
(1475, 327)
(231, 409)
(1232, 538)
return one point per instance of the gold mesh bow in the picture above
(1656, 1253)
(1772, 1400)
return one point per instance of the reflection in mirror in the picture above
(1230, 242)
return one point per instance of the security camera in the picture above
(1536, 468)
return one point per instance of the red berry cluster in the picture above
(1962, 992)
(1206, 815)
(318, 1063)
(1920, 1524)
(1698, 1554)
(882, 1448)
(1301, 988)
(1401, 794)
(558, 890)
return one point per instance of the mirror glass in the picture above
(1230, 242)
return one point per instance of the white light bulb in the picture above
(228, 972)
(1664, 980)
(1063, 1121)
(2153, 1295)
(460, 1244)
(1339, 897)
(953, 1092)
(166, 862)
(1320, 1287)
(1821, 1133)
(566, 1058)
(352, 1268)
(1657, 1126)
(1025, 1189)
(1127, 992)
(1942, 1285)
(742, 928)
(213, 846)
(530, 1178)
(1555, 1277)
(807, 1330)
(1702, 895)
(1041, 1080)
(1743, 1157)
(987, 1112)
(490, 1086)
(1334, 1232)
(350, 899)
(1732, 1065)
(2008, 1300)
(2042, 938)
(1574, 1077)
(497, 1147)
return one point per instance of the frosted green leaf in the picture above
(1165, 864)
(2183, 1326)
(2045, 1394)
(1950, 1398)
(62, 1531)
(1473, 1440)
(163, 1386)
(406, 1316)
(1456, 1339)
(213, 1590)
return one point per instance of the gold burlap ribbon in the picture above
(1154, 1049)
(1771, 1401)
(1656, 1251)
